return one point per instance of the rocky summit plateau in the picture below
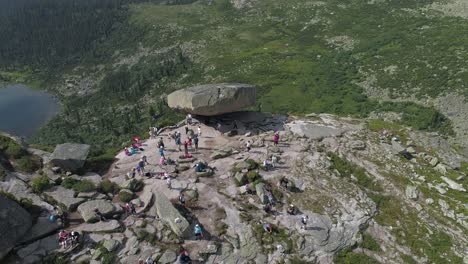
(371, 193)
(213, 99)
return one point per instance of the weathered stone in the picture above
(429, 201)
(41, 228)
(93, 177)
(358, 145)
(260, 189)
(440, 168)
(412, 192)
(240, 177)
(70, 156)
(168, 257)
(163, 208)
(64, 196)
(411, 150)
(222, 153)
(314, 131)
(20, 190)
(34, 252)
(86, 209)
(14, 223)
(453, 185)
(434, 161)
(111, 244)
(213, 99)
(100, 227)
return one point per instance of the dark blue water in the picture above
(24, 110)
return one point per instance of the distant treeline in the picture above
(56, 32)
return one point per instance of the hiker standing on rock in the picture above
(186, 147)
(169, 182)
(195, 141)
(178, 140)
(160, 143)
(304, 220)
(248, 145)
(198, 232)
(161, 151)
(199, 131)
(182, 199)
(141, 167)
(186, 130)
(276, 138)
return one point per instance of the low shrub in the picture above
(39, 184)
(125, 196)
(108, 187)
(3, 173)
(84, 186)
(26, 164)
(69, 182)
(369, 242)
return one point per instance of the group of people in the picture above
(65, 238)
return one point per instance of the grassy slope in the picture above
(284, 48)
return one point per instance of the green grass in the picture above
(370, 243)
(287, 57)
(347, 256)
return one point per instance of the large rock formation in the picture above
(86, 209)
(213, 99)
(166, 211)
(14, 223)
(70, 156)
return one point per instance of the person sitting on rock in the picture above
(141, 261)
(99, 215)
(198, 232)
(149, 260)
(63, 235)
(291, 209)
(267, 228)
(267, 208)
(198, 168)
(75, 237)
(162, 161)
(184, 258)
(284, 182)
(267, 165)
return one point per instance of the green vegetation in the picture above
(347, 256)
(277, 236)
(40, 183)
(56, 258)
(108, 187)
(3, 172)
(306, 58)
(84, 186)
(17, 156)
(369, 242)
(125, 196)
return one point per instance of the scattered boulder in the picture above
(314, 131)
(440, 168)
(86, 209)
(412, 192)
(358, 145)
(213, 99)
(163, 208)
(223, 153)
(14, 223)
(453, 185)
(70, 157)
(260, 189)
(65, 197)
(111, 244)
(100, 227)
(168, 257)
(434, 161)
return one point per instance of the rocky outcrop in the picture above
(70, 157)
(14, 223)
(164, 209)
(86, 209)
(100, 227)
(213, 99)
(65, 197)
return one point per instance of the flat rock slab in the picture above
(41, 228)
(213, 99)
(34, 252)
(70, 156)
(86, 209)
(65, 197)
(166, 211)
(315, 131)
(100, 227)
(14, 223)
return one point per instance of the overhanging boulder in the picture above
(69, 156)
(213, 99)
